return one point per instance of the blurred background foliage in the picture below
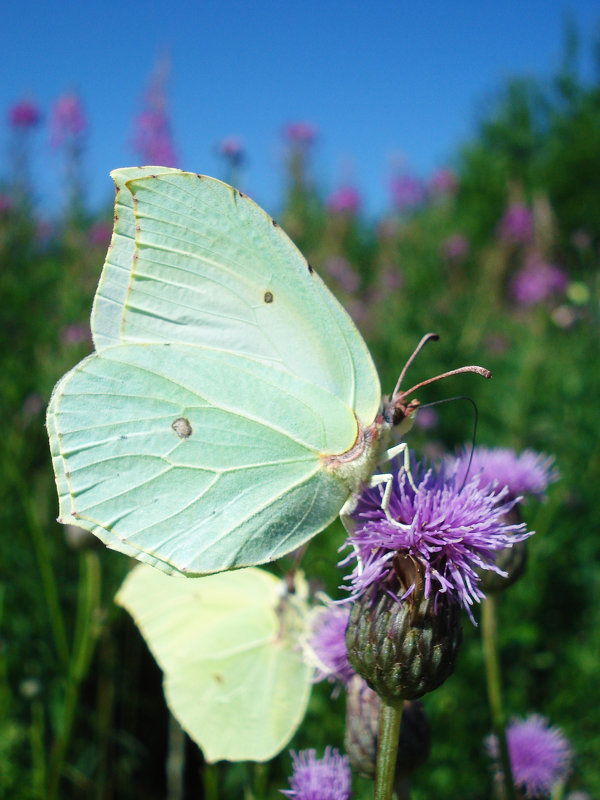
(498, 253)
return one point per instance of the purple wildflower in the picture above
(75, 333)
(527, 473)
(327, 645)
(540, 755)
(443, 182)
(68, 120)
(346, 200)
(300, 134)
(537, 281)
(392, 279)
(24, 115)
(6, 203)
(455, 247)
(99, 234)
(328, 778)
(343, 273)
(232, 150)
(426, 418)
(407, 191)
(153, 139)
(516, 224)
(452, 531)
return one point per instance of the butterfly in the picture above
(261, 686)
(231, 408)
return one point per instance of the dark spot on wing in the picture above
(123, 436)
(182, 427)
(268, 297)
(310, 269)
(275, 224)
(218, 677)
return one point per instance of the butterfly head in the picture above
(398, 410)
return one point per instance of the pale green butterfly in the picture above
(231, 407)
(234, 676)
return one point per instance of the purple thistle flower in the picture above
(527, 473)
(516, 224)
(455, 247)
(24, 115)
(68, 120)
(537, 281)
(346, 200)
(300, 134)
(443, 182)
(326, 647)
(540, 755)
(328, 778)
(407, 191)
(451, 530)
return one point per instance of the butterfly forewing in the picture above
(207, 266)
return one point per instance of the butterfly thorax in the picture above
(356, 465)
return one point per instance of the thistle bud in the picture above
(362, 713)
(403, 649)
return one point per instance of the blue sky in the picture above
(383, 81)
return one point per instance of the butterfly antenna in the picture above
(429, 337)
(472, 368)
(475, 424)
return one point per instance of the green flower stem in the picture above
(38, 536)
(210, 780)
(390, 717)
(492, 674)
(87, 630)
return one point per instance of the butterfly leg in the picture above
(395, 451)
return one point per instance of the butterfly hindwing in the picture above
(193, 459)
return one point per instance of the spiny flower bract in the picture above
(526, 473)
(451, 530)
(328, 778)
(540, 755)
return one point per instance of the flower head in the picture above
(300, 134)
(153, 139)
(328, 778)
(448, 530)
(24, 114)
(232, 150)
(327, 644)
(346, 200)
(344, 274)
(407, 191)
(516, 224)
(68, 120)
(455, 247)
(526, 473)
(443, 182)
(540, 755)
(537, 281)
